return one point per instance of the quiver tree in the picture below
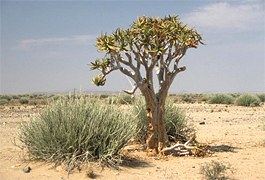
(149, 45)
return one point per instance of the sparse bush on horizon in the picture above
(221, 99)
(74, 130)
(248, 100)
(3, 101)
(103, 96)
(23, 101)
(7, 97)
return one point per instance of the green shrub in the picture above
(124, 99)
(216, 171)
(3, 101)
(175, 119)
(261, 97)
(42, 96)
(235, 95)
(23, 101)
(13, 102)
(120, 99)
(15, 96)
(221, 99)
(33, 103)
(74, 130)
(248, 100)
(112, 99)
(103, 96)
(56, 97)
(188, 98)
(7, 97)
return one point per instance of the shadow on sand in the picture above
(223, 148)
(135, 163)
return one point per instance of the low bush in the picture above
(15, 96)
(74, 130)
(56, 97)
(3, 101)
(119, 99)
(33, 103)
(103, 96)
(221, 99)
(125, 99)
(175, 119)
(188, 98)
(248, 100)
(7, 97)
(23, 101)
(216, 171)
(261, 97)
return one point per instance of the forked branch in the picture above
(179, 149)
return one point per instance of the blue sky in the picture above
(46, 45)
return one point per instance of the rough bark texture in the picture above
(157, 138)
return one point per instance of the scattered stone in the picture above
(202, 123)
(27, 170)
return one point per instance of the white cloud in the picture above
(226, 17)
(28, 43)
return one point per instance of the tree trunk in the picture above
(157, 138)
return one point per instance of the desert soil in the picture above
(235, 135)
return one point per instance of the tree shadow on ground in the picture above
(223, 148)
(135, 163)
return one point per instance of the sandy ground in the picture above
(234, 134)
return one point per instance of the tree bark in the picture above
(157, 138)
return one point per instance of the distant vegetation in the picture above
(248, 100)
(25, 99)
(235, 98)
(221, 99)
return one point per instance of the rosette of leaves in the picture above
(99, 80)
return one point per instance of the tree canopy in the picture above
(152, 43)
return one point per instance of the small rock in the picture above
(27, 170)
(193, 166)
(202, 123)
